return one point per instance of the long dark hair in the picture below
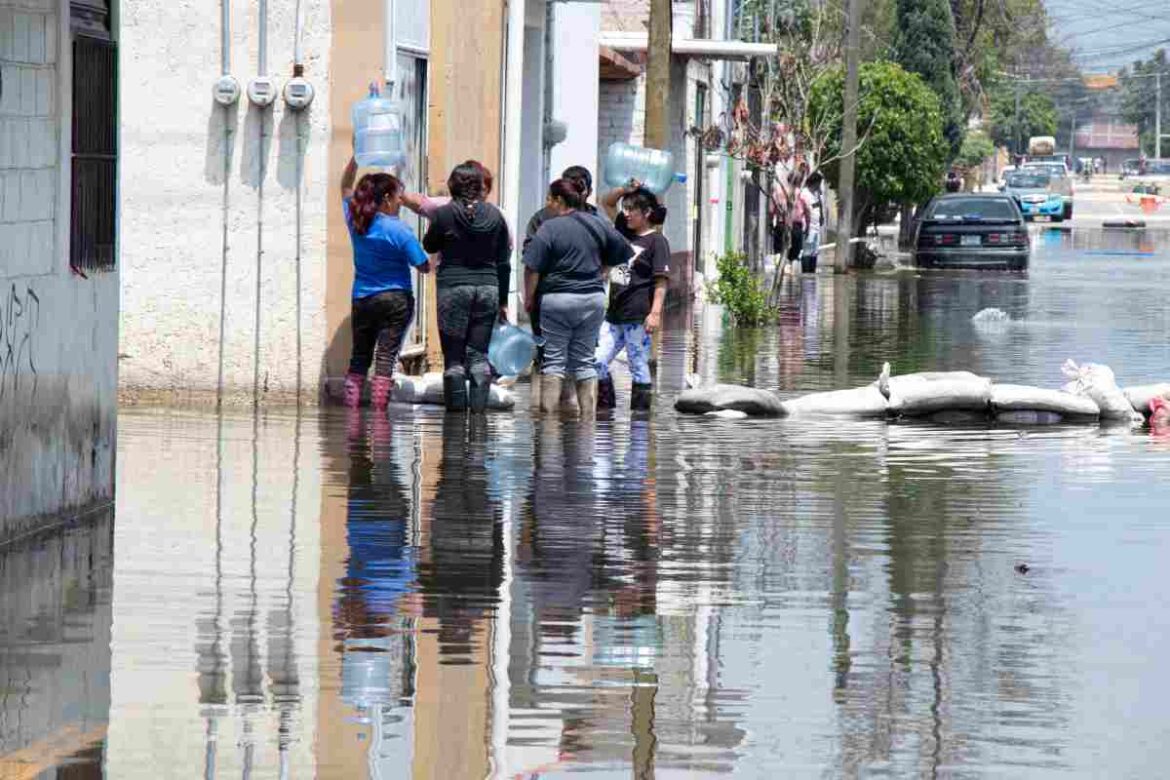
(371, 191)
(646, 201)
(568, 191)
(466, 183)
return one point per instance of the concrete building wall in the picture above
(210, 208)
(575, 72)
(58, 330)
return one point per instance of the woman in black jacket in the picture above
(473, 283)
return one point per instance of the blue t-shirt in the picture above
(383, 257)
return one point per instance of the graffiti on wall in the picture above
(20, 315)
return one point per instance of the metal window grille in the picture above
(95, 154)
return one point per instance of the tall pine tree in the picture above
(924, 43)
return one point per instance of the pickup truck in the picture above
(1059, 181)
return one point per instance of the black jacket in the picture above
(475, 244)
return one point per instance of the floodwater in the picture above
(291, 595)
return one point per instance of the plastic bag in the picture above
(428, 390)
(865, 401)
(1139, 397)
(1097, 382)
(1021, 398)
(750, 400)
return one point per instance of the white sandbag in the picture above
(861, 402)
(727, 414)
(428, 390)
(1097, 382)
(1139, 397)
(1021, 398)
(714, 398)
(918, 395)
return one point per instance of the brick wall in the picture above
(28, 135)
(621, 116)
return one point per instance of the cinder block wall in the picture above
(58, 330)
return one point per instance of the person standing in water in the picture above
(637, 294)
(474, 278)
(566, 261)
(384, 251)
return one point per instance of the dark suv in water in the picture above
(972, 230)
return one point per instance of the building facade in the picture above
(58, 259)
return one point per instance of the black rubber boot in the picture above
(606, 397)
(455, 392)
(641, 398)
(478, 395)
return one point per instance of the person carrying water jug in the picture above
(637, 293)
(473, 283)
(567, 260)
(384, 251)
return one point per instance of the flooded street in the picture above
(309, 594)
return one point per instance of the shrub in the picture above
(740, 292)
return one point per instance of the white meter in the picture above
(262, 91)
(226, 91)
(298, 93)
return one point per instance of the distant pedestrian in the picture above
(566, 261)
(583, 179)
(813, 197)
(474, 279)
(954, 182)
(637, 294)
(384, 251)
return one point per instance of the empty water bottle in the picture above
(511, 349)
(377, 125)
(654, 168)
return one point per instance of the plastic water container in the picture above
(377, 125)
(654, 168)
(511, 349)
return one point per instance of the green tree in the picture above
(976, 148)
(1037, 115)
(1139, 96)
(924, 43)
(902, 154)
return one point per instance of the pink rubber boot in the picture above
(380, 392)
(353, 390)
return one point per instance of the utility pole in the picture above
(1158, 115)
(849, 137)
(1017, 135)
(658, 76)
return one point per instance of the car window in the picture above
(972, 208)
(1027, 180)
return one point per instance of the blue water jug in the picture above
(654, 168)
(511, 349)
(377, 126)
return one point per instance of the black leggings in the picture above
(380, 321)
(467, 316)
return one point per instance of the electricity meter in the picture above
(226, 91)
(262, 91)
(298, 93)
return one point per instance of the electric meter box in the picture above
(262, 91)
(298, 93)
(226, 91)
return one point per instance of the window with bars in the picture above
(93, 228)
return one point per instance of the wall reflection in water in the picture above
(55, 624)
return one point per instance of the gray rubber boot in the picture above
(587, 398)
(641, 398)
(535, 394)
(455, 392)
(478, 395)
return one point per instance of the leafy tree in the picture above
(976, 148)
(903, 153)
(1139, 96)
(924, 43)
(1037, 116)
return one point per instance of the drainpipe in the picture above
(513, 97)
(391, 52)
(299, 40)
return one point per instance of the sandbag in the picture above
(1029, 418)
(727, 414)
(1139, 397)
(428, 390)
(1097, 382)
(714, 398)
(861, 402)
(1021, 398)
(919, 395)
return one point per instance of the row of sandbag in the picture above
(1092, 395)
(428, 390)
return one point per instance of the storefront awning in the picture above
(687, 47)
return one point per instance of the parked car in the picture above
(1130, 168)
(1059, 180)
(972, 230)
(1033, 191)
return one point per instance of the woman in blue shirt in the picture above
(384, 251)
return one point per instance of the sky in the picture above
(1106, 35)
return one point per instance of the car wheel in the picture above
(1068, 211)
(1057, 219)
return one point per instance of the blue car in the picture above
(1031, 189)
